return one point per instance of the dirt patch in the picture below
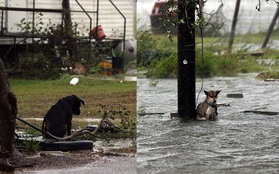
(57, 160)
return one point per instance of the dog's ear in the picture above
(205, 92)
(218, 92)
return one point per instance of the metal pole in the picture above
(124, 33)
(186, 61)
(269, 31)
(233, 25)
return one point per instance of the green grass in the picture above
(215, 59)
(35, 97)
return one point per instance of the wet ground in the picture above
(109, 165)
(237, 143)
(116, 156)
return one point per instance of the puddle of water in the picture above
(237, 143)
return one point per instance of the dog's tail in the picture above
(45, 127)
(82, 101)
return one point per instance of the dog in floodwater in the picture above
(58, 119)
(207, 110)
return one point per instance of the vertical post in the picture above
(186, 60)
(237, 5)
(8, 112)
(67, 16)
(271, 26)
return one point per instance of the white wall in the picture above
(112, 21)
(12, 18)
(109, 18)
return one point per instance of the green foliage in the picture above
(164, 68)
(32, 145)
(269, 75)
(205, 62)
(55, 46)
(226, 66)
(212, 61)
(145, 45)
(39, 65)
(31, 131)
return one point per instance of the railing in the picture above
(34, 9)
(87, 14)
(124, 32)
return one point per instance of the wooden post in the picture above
(237, 5)
(270, 29)
(8, 112)
(186, 61)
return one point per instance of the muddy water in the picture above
(237, 143)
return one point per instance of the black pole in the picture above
(233, 25)
(270, 29)
(37, 128)
(67, 15)
(186, 60)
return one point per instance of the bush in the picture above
(160, 59)
(205, 63)
(145, 48)
(165, 68)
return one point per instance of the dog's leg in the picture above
(201, 114)
(69, 127)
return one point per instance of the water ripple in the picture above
(237, 143)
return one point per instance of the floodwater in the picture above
(237, 143)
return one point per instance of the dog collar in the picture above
(211, 104)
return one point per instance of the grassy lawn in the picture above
(215, 59)
(35, 97)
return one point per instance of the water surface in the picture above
(237, 143)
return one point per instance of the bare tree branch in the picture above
(103, 121)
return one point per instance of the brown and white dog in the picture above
(207, 110)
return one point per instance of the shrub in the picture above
(145, 46)
(165, 68)
(205, 63)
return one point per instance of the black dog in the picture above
(58, 119)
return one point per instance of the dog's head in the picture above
(211, 97)
(75, 103)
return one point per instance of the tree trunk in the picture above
(8, 112)
(186, 61)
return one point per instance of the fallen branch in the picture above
(103, 121)
(71, 136)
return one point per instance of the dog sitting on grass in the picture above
(58, 119)
(207, 110)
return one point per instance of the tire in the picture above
(66, 145)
